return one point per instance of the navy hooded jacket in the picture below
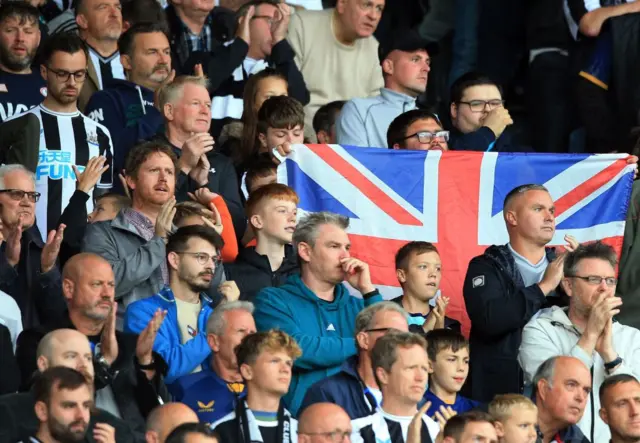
(128, 112)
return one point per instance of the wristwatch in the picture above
(612, 364)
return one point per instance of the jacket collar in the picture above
(501, 255)
(396, 97)
(120, 222)
(350, 367)
(167, 295)
(252, 257)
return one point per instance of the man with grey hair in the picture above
(355, 388)
(562, 386)
(213, 392)
(28, 269)
(315, 308)
(186, 108)
(586, 329)
(506, 286)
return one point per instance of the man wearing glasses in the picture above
(586, 329)
(28, 270)
(68, 139)
(193, 253)
(417, 130)
(478, 115)
(355, 387)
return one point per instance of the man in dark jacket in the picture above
(128, 375)
(186, 107)
(506, 286)
(263, 25)
(478, 115)
(355, 388)
(272, 213)
(195, 27)
(28, 269)
(126, 107)
(17, 416)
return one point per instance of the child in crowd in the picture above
(280, 120)
(419, 271)
(448, 353)
(515, 418)
(324, 122)
(272, 211)
(261, 172)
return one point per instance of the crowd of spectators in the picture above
(158, 285)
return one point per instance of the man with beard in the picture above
(22, 88)
(126, 107)
(134, 241)
(128, 379)
(68, 138)
(63, 406)
(70, 350)
(193, 252)
(100, 26)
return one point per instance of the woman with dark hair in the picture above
(238, 140)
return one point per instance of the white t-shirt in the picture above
(10, 316)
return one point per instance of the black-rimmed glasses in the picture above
(64, 76)
(595, 280)
(480, 105)
(18, 194)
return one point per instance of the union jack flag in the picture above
(453, 200)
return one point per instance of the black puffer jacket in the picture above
(252, 271)
(499, 306)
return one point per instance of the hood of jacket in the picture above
(253, 258)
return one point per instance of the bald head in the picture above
(166, 418)
(321, 418)
(65, 347)
(83, 261)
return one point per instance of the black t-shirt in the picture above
(546, 25)
(20, 92)
(269, 433)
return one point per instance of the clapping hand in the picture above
(146, 339)
(51, 249)
(88, 178)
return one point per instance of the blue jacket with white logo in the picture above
(181, 359)
(324, 330)
(128, 112)
(210, 397)
(344, 389)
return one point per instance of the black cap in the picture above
(408, 41)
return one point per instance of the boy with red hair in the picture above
(272, 211)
